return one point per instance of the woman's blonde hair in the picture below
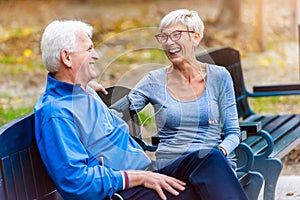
(189, 18)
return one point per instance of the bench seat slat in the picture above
(270, 124)
(277, 123)
(282, 147)
(285, 126)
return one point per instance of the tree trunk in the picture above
(229, 13)
(260, 25)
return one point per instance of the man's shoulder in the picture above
(47, 107)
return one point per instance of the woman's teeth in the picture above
(174, 50)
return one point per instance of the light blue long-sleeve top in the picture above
(73, 128)
(184, 125)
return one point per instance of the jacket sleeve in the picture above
(76, 174)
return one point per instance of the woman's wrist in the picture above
(223, 150)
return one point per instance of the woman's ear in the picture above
(65, 58)
(196, 39)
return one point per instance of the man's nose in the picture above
(95, 55)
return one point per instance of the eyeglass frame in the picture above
(169, 35)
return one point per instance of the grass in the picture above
(282, 104)
(9, 114)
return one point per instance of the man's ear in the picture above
(65, 58)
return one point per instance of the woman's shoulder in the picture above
(216, 70)
(157, 74)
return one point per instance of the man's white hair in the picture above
(189, 18)
(59, 35)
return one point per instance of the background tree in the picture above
(229, 13)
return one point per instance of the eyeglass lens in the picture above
(174, 36)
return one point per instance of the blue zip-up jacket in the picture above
(73, 128)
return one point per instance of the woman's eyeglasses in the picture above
(174, 36)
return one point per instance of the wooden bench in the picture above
(280, 132)
(22, 173)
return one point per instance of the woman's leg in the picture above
(209, 173)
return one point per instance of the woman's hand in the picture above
(157, 182)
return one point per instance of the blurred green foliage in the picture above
(275, 104)
(8, 114)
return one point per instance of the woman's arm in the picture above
(229, 114)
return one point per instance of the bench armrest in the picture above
(155, 139)
(275, 90)
(270, 144)
(145, 145)
(255, 129)
(245, 157)
(250, 129)
(121, 105)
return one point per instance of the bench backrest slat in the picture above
(230, 58)
(22, 173)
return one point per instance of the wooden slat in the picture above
(17, 176)
(8, 180)
(275, 123)
(288, 126)
(284, 146)
(23, 175)
(286, 135)
(268, 88)
(279, 128)
(44, 184)
(1, 183)
(2, 186)
(253, 118)
(27, 172)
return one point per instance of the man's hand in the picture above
(97, 87)
(156, 181)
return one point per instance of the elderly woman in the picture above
(193, 101)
